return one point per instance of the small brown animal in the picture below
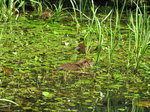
(45, 15)
(81, 48)
(69, 66)
(84, 63)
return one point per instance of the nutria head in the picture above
(81, 48)
(84, 63)
(46, 15)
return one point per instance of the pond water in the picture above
(32, 50)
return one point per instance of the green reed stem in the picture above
(37, 5)
(140, 26)
(10, 101)
(75, 6)
(7, 12)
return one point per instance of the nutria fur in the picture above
(84, 63)
(81, 48)
(69, 66)
(45, 15)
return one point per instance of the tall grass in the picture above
(10, 9)
(81, 6)
(84, 6)
(14, 6)
(81, 9)
(140, 27)
(94, 25)
(58, 10)
(37, 5)
(115, 36)
(75, 8)
(136, 108)
(10, 101)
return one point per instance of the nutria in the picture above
(45, 15)
(81, 48)
(84, 63)
(69, 66)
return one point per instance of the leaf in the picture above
(88, 101)
(47, 94)
(72, 104)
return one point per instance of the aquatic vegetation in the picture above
(9, 10)
(40, 69)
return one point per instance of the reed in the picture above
(98, 31)
(5, 12)
(58, 9)
(115, 34)
(136, 108)
(140, 27)
(37, 5)
(8, 11)
(10, 101)
(95, 31)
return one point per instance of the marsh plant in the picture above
(140, 27)
(37, 5)
(10, 9)
(5, 100)
(32, 50)
(138, 24)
